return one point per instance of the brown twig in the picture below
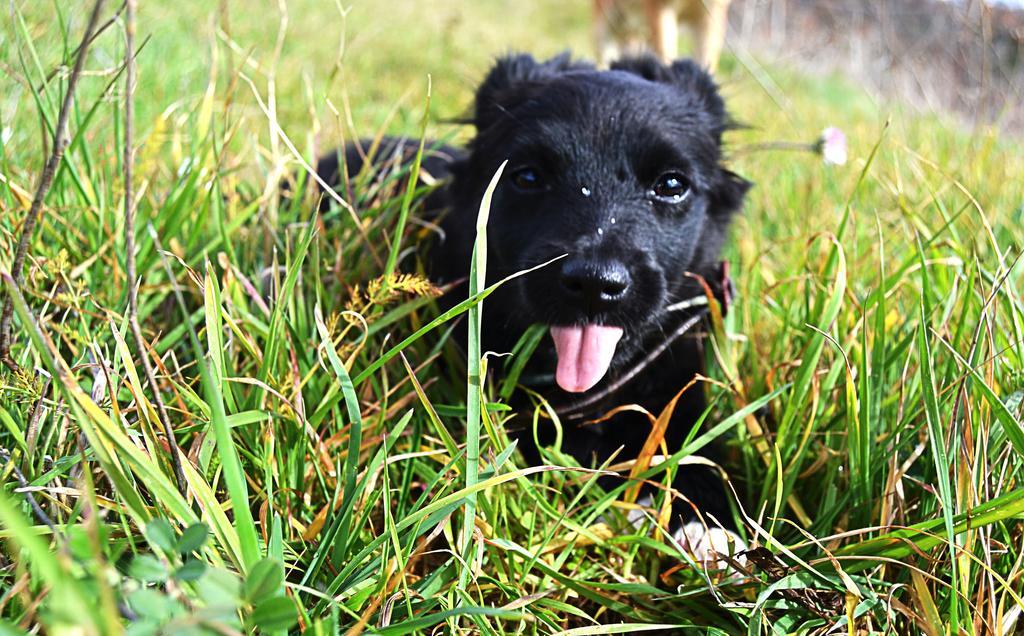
(129, 241)
(5, 458)
(60, 142)
(798, 146)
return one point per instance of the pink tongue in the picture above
(584, 354)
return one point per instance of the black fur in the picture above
(599, 141)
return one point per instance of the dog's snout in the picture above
(597, 284)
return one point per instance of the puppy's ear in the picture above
(694, 83)
(646, 66)
(727, 195)
(512, 80)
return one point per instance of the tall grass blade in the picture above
(477, 276)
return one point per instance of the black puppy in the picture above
(621, 171)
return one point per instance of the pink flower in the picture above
(832, 146)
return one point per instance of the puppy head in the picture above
(620, 171)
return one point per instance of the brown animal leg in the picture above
(663, 24)
(709, 32)
(606, 44)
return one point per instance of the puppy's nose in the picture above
(598, 284)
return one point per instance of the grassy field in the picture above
(321, 415)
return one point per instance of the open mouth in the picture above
(584, 354)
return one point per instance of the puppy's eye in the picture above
(671, 185)
(527, 178)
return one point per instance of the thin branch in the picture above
(129, 241)
(5, 457)
(60, 142)
(798, 146)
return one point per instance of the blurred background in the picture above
(959, 57)
(966, 56)
(962, 60)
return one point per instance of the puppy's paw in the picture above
(709, 544)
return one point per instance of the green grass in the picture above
(880, 321)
